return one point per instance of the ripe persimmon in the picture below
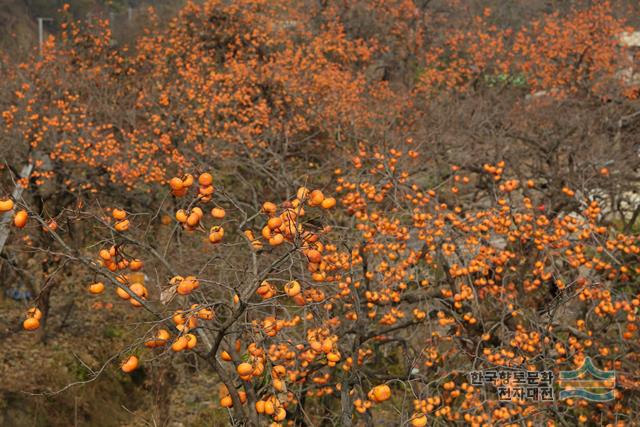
(181, 216)
(380, 393)
(316, 198)
(96, 288)
(206, 191)
(31, 324)
(292, 288)
(274, 223)
(52, 225)
(119, 214)
(191, 341)
(179, 193)
(180, 344)
(161, 338)
(216, 233)
(176, 184)
(198, 211)
(276, 239)
(136, 265)
(328, 203)
(6, 205)
(35, 313)
(280, 414)
(123, 294)
(269, 408)
(333, 356)
(419, 420)
(327, 345)
(185, 287)
(130, 365)
(138, 289)
(266, 232)
(105, 255)
(218, 213)
(302, 193)
(122, 225)
(193, 219)
(226, 402)
(206, 314)
(205, 179)
(244, 369)
(179, 317)
(187, 180)
(314, 256)
(20, 218)
(269, 207)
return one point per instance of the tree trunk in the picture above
(17, 193)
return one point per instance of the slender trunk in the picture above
(345, 403)
(17, 193)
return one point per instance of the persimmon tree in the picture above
(293, 302)
(257, 83)
(337, 248)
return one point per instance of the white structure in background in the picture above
(631, 41)
(41, 22)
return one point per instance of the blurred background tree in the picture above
(18, 18)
